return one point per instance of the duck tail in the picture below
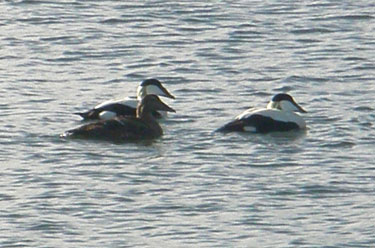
(67, 134)
(82, 114)
(89, 115)
(75, 133)
(233, 126)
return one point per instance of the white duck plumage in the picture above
(278, 116)
(127, 106)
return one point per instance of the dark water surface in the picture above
(192, 187)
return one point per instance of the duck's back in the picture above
(276, 115)
(264, 121)
(117, 129)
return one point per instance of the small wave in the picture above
(341, 144)
(58, 38)
(311, 31)
(354, 59)
(305, 79)
(113, 21)
(353, 17)
(321, 190)
(308, 40)
(364, 109)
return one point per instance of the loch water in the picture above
(193, 187)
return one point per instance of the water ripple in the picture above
(193, 187)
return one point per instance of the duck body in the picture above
(125, 128)
(265, 121)
(279, 116)
(127, 106)
(110, 109)
(117, 129)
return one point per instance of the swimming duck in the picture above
(126, 128)
(278, 116)
(127, 106)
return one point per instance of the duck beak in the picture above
(165, 107)
(170, 110)
(166, 93)
(300, 109)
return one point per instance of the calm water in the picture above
(192, 187)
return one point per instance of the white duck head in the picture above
(284, 102)
(152, 87)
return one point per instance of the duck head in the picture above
(152, 86)
(285, 102)
(152, 103)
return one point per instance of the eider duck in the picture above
(126, 128)
(277, 117)
(122, 107)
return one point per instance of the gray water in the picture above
(192, 187)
